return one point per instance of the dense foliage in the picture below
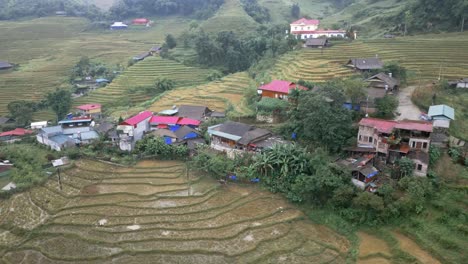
(21, 111)
(60, 102)
(386, 107)
(320, 118)
(432, 15)
(257, 12)
(156, 147)
(87, 68)
(268, 106)
(131, 8)
(232, 53)
(14, 9)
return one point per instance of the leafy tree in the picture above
(320, 121)
(434, 155)
(60, 101)
(171, 41)
(21, 111)
(406, 166)
(354, 90)
(397, 70)
(295, 10)
(193, 25)
(257, 12)
(386, 106)
(164, 84)
(155, 146)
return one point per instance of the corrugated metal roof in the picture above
(441, 110)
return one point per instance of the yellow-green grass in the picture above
(280, 10)
(175, 219)
(424, 56)
(217, 95)
(144, 74)
(230, 17)
(47, 48)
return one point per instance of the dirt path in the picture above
(413, 249)
(406, 108)
(370, 248)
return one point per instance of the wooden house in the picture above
(278, 89)
(365, 64)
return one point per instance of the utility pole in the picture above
(59, 180)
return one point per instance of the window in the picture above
(419, 168)
(375, 141)
(413, 144)
(371, 139)
(425, 145)
(360, 138)
(295, 28)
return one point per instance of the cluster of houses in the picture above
(135, 22)
(309, 28)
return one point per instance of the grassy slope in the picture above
(103, 4)
(280, 10)
(230, 16)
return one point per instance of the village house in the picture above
(133, 129)
(308, 28)
(14, 135)
(69, 132)
(163, 122)
(155, 50)
(391, 140)
(181, 136)
(92, 110)
(140, 21)
(383, 81)
(316, 43)
(6, 121)
(441, 112)
(365, 64)
(118, 26)
(196, 112)
(278, 89)
(39, 125)
(462, 83)
(234, 137)
(362, 170)
(141, 56)
(5, 65)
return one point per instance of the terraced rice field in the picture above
(156, 213)
(145, 73)
(425, 56)
(216, 95)
(47, 48)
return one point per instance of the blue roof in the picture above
(436, 111)
(60, 139)
(69, 121)
(191, 135)
(102, 80)
(88, 135)
(53, 129)
(168, 140)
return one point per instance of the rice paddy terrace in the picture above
(157, 213)
(426, 56)
(144, 74)
(217, 95)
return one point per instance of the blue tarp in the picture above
(350, 107)
(168, 140)
(191, 135)
(174, 128)
(255, 180)
(233, 177)
(372, 174)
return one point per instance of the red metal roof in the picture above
(281, 86)
(16, 132)
(386, 126)
(415, 125)
(88, 107)
(307, 21)
(167, 120)
(132, 121)
(140, 21)
(188, 122)
(383, 126)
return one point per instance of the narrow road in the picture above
(406, 108)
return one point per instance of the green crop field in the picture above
(217, 95)
(155, 213)
(145, 73)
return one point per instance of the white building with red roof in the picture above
(309, 28)
(278, 89)
(133, 129)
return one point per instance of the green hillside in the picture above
(144, 74)
(230, 16)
